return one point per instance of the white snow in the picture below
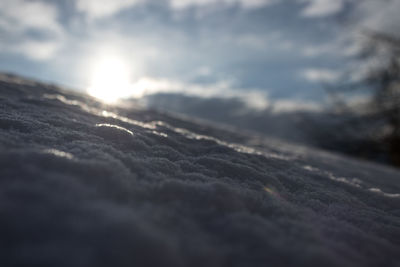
(88, 184)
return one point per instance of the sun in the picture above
(110, 79)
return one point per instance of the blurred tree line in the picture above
(385, 80)
(371, 128)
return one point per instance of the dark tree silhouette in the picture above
(376, 122)
(384, 79)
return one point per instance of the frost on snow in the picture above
(85, 184)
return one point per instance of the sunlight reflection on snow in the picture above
(353, 181)
(272, 192)
(378, 191)
(58, 153)
(153, 125)
(114, 126)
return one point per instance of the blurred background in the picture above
(323, 73)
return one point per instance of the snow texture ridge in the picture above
(86, 184)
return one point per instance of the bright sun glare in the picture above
(110, 79)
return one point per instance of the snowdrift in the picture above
(88, 184)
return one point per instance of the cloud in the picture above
(320, 75)
(378, 16)
(246, 4)
(244, 46)
(144, 86)
(321, 8)
(318, 50)
(250, 4)
(95, 9)
(289, 105)
(362, 16)
(19, 17)
(23, 15)
(36, 50)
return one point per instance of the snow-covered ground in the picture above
(88, 184)
(346, 132)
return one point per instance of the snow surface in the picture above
(86, 184)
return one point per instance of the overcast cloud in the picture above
(284, 49)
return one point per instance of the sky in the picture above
(258, 50)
